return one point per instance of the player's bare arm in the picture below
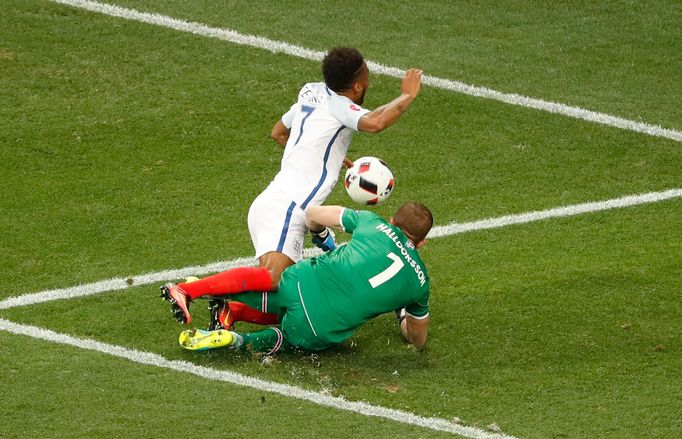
(280, 133)
(414, 330)
(319, 217)
(384, 116)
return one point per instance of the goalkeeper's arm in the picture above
(414, 330)
(319, 217)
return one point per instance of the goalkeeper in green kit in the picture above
(322, 300)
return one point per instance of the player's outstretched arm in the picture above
(319, 217)
(280, 133)
(384, 116)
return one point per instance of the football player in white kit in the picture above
(315, 133)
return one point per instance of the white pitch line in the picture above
(302, 52)
(122, 283)
(151, 359)
(557, 212)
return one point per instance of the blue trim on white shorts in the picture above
(285, 228)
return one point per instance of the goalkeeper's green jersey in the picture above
(378, 271)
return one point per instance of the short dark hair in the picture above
(341, 67)
(415, 220)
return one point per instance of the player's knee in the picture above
(275, 275)
(275, 263)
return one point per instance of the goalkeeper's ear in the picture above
(419, 244)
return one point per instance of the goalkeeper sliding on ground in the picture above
(322, 300)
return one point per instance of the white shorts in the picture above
(277, 224)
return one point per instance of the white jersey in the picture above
(321, 125)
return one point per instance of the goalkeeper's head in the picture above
(415, 220)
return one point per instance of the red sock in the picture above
(232, 281)
(240, 312)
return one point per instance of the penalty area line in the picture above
(433, 81)
(151, 359)
(122, 283)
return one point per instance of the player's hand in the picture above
(347, 163)
(411, 82)
(324, 240)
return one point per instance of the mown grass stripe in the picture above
(151, 359)
(121, 283)
(302, 52)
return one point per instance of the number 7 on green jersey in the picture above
(389, 272)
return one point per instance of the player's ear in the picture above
(391, 221)
(361, 80)
(421, 243)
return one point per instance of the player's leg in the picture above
(236, 280)
(275, 263)
(232, 281)
(251, 307)
(265, 277)
(270, 340)
(267, 341)
(277, 228)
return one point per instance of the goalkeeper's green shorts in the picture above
(287, 304)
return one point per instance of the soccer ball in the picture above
(369, 181)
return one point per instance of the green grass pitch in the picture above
(130, 148)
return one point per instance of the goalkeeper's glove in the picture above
(324, 239)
